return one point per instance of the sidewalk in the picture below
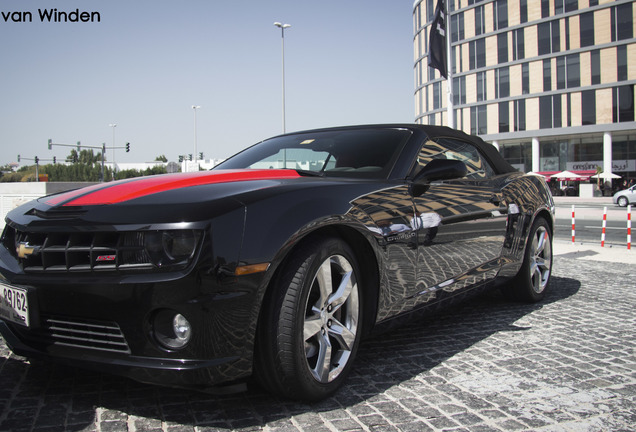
(594, 252)
(599, 201)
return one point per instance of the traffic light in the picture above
(200, 155)
(37, 159)
(78, 146)
(190, 156)
(54, 160)
(180, 158)
(18, 158)
(127, 147)
(50, 144)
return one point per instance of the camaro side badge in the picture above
(23, 250)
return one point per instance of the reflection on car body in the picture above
(275, 263)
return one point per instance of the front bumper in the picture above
(111, 328)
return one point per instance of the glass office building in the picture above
(549, 82)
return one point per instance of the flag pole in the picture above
(449, 72)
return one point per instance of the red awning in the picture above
(585, 175)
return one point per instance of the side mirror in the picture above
(437, 169)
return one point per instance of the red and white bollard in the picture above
(629, 227)
(573, 230)
(604, 224)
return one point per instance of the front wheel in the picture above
(311, 326)
(622, 201)
(533, 278)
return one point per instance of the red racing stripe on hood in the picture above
(124, 190)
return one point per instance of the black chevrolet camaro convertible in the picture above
(276, 263)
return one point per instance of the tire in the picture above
(310, 329)
(622, 201)
(533, 278)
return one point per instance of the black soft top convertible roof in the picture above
(499, 164)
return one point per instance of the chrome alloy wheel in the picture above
(331, 319)
(540, 259)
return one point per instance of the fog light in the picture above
(172, 330)
(182, 329)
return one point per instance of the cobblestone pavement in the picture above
(566, 364)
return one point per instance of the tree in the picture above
(161, 158)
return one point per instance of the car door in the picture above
(460, 224)
(388, 215)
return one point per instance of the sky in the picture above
(146, 63)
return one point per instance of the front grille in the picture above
(78, 333)
(77, 252)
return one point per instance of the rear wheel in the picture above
(311, 326)
(533, 278)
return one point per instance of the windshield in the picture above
(360, 153)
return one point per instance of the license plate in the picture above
(14, 305)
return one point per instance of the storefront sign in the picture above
(617, 165)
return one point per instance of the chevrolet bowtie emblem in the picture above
(23, 250)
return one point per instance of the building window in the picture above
(587, 29)
(622, 22)
(547, 75)
(519, 108)
(502, 48)
(556, 36)
(525, 78)
(437, 97)
(459, 90)
(430, 10)
(549, 37)
(504, 117)
(457, 27)
(477, 54)
(523, 11)
(544, 38)
(571, 5)
(560, 66)
(588, 107)
(556, 111)
(501, 14)
(596, 66)
(621, 57)
(550, 112)
(518, 45)
(481, 86)
(545, 112)
(623, 103)
(573, 65)
(480, 21)
(478, 120)
(502, 82)
(545, 8)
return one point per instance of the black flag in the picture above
(437, 40)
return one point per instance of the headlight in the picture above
(171, 247)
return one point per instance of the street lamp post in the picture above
(282, 28)
(194, 108)
(113, 125)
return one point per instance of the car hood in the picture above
(173, 198)
(131, 189)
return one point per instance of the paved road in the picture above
(566, 364)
